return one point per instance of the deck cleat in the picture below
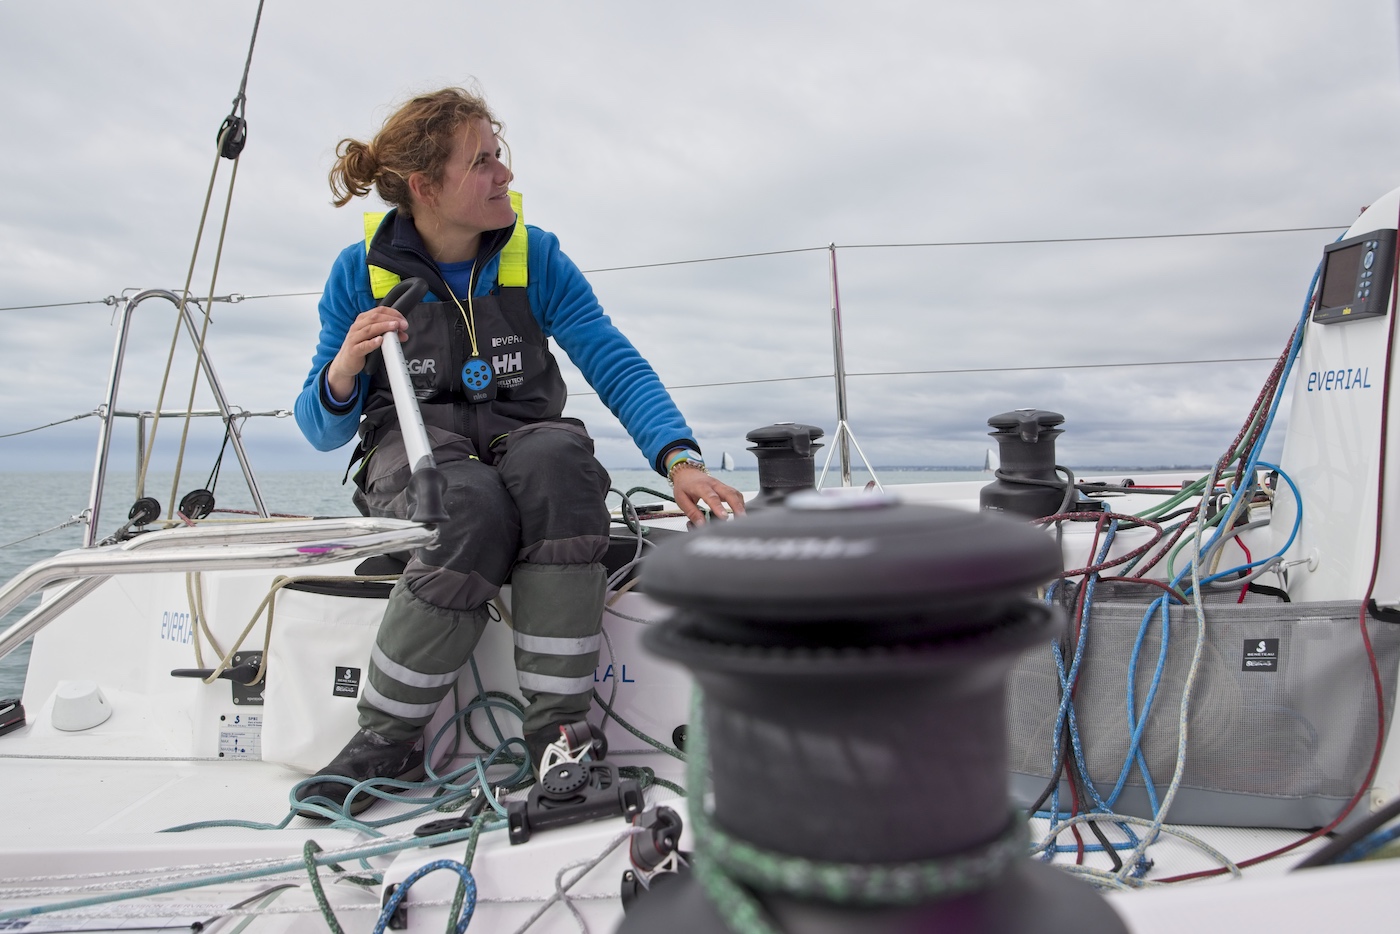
(570, 793)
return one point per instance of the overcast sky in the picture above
(647, 133)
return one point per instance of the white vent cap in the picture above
(79, 705)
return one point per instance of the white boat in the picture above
(136, 799)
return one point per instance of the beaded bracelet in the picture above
(683, 464)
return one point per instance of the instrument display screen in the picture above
(1339, 276)
(1356, 278)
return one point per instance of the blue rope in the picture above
(401, 890)
(1367, 845)
(1066, 712)
(1138, 724)
(1245, 480)
(1075, 741)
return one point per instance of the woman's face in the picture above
(472, 196)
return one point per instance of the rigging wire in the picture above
(233, 134)
(112, 299)
(71, 520)
(950, 243)
(957, 371)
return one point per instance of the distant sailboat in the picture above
(726, 461)
(992, 462)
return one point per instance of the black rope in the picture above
(218, 461)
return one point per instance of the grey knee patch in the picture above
(558, 599)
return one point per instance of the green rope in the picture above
(308, 857)
(455, 911)
(645, 489)
(508, 702)
(645, 777)
(736, 905)
(728, 868)
(655, 743)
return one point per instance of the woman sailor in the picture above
(525, 493)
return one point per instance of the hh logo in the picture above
(507, 363)
(422, 366)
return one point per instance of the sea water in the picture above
(35, 503)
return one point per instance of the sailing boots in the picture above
(367, 755)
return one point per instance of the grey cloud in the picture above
(643, 133)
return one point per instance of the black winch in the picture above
(786, 455)
(1026, 484)
(851, 653)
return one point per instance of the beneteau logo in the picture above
(782, 549)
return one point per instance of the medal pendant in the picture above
(478, 380)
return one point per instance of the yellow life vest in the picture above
(514, 269)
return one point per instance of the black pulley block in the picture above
(144, 510)
(197, 504)
(233, 136)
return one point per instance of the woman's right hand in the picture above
(363, 338)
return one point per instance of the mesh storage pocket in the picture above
(1282, 717)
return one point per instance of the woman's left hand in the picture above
(693, 486)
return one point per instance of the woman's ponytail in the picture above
(418, 137)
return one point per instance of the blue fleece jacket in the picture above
(566, 309)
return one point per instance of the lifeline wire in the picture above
(61, 421)
(111, 300)
(949, 243)
(70, 521)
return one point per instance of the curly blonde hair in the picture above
(417, 137)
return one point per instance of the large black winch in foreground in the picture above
(851, 654)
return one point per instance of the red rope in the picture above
(1365, 634)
